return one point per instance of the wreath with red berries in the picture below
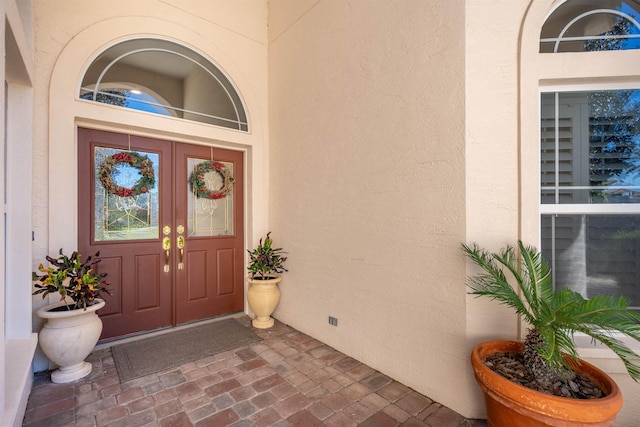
(142, 163)
(199, 186)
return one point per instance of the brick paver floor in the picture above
(287, 379)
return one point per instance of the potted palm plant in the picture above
(265, 265)
(546, 382)
(73, 327)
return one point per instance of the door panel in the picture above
(196, 275)
(149, 289)
(171, 257)
(226, 262)
(112, 265)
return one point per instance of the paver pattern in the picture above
(288, 379)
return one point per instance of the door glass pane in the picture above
(210, 200)
(126, 195)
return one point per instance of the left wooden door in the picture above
(128, 231)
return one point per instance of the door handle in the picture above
(166, 246)
(180, 245)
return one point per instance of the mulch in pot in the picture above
(511, 366)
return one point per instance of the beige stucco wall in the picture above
(492, 150)
(17, 342)
(368, 182)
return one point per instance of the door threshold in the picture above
(108, 342)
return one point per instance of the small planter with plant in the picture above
(73, 327)
(266, 263)
(542, 381)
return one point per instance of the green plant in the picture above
(554, 316)
(265, 260)
(71, 277)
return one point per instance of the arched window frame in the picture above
(560, 73)
(562, 36)
(89, 92)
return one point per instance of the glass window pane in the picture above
(210, 200)
(579, 26)
(590, 147)
(594, 254)
(165, 78)
(126, 195)
(129, 98)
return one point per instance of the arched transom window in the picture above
(163, 77)
(583, 26)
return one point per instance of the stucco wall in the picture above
(491, 120)
(17, 343)
(367, 182)
(492, 149)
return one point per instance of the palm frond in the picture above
(607, 311)
(600, 317)
(494, 284)
(630, 358)
(538, 289)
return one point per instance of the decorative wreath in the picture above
(142, 163)
(198, 185)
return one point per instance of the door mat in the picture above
(149, 355)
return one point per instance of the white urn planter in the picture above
(68, 337)
(263, 297)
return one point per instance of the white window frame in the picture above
(583, 208)
(561, 72)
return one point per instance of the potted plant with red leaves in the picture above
(73, 327)
(265, 266)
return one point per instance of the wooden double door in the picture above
(172, 254)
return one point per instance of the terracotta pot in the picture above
(512, 405)
(67, 339)
(263, 297)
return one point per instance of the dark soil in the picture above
(511, 366)
(68, 307)
(62, 308)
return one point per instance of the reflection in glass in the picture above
(166, 78)
(580, 26)
(134, 99)
(590, 147)
(209, 217)
(124, 218)
(594, 254)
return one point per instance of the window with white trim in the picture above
(582, 26)
(165, 78)
(590, 156)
